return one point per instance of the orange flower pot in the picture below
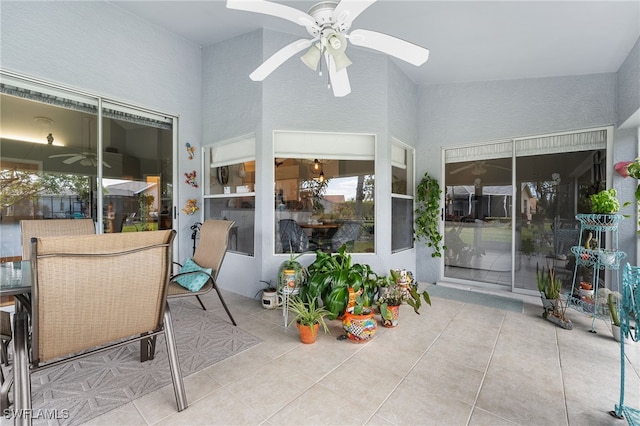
(308, 333)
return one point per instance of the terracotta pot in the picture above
(359, 328)
(308, 334)
(395, 314)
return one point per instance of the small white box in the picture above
(242, 189)
(227, 190)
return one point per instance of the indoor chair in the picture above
(347, 234)
(210, 252)
(52, 228)
(292, 237)
(89, 294)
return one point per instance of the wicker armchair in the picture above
(52, 228)
(210, 252)
(92, 293)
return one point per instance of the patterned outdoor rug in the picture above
(91, 386)
(476, 297)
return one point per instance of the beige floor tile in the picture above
(321, 406)
(269, 388)
(447, 378)
(128, 414)
(162, 403)
(409, 405)
(480, 417)
(524, 397)
(220, 408)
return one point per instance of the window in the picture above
(230, 176)
(402, 187)
(324, 192)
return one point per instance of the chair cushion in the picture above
(193, 282)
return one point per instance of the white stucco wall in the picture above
(628, 94)
(296, 98)
(455, 114)
(104, 50)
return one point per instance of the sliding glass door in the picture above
(478, 202)
(55, 163)
(511, 210)
(137, 170)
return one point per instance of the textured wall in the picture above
(101, 49)
(457, 114)
(629, 85)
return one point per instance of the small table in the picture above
(321, 232)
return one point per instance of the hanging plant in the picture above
(428, 214)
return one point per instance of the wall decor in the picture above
(223, 175)
(191, 151)
(191, 179)
(191, 206)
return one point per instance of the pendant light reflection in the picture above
(321, 176)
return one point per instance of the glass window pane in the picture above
(48, 161)
(402, 224)
(242, 211)
(137, 171)
(324, 203)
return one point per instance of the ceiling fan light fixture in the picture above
(336, 46)
(312, 57)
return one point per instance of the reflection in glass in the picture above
(478, 221)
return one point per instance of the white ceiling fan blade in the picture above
(393, 46)
(62, 155)
(74, 159)
(348, 10)
(339, 79)
(278, 59)
(459, 169)
(274, 9)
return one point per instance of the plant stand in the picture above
(598, 260)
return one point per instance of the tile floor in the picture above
(456, 364)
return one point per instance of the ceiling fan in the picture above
(328, 23)
(85, 159)
(477, 168)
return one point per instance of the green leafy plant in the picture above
(331, 276)
(292, 264)
(605, 202)
(308, 313)
(548, 284)
(397, 294)
(428, 214)
(631, 169)
(615, 320)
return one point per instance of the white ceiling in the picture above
(468, 40)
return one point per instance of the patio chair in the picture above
(89, 294)
(210, 252)
(52, 228)
(629, 314)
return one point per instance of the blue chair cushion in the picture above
(193, 282)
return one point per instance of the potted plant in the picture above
(291, 274)
(270, 298)
(605, 202)
(331, 277)
(309, 317)
(398, 292)
(615, 319)
(549, 287)
(427, 217)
